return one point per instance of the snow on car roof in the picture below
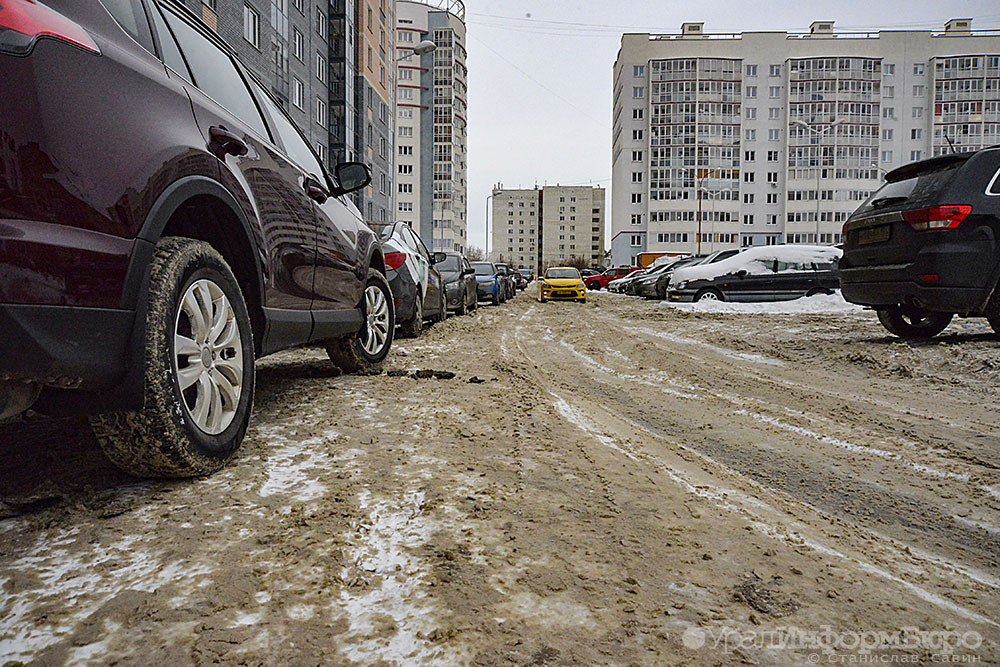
(754, 260)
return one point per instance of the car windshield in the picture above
(483, 268)
(558, 274)
(450, 263)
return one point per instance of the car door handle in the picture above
(226, 141)
(315, 190)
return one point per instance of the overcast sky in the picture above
(540, 73)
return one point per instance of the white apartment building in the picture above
(431, 143)
(548, 226)
(761, 138)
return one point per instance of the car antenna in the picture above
(951, 144)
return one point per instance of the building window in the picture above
(637, 177)
(774, 135)
(636, 156)
(916, 133)
(636, 135)
(320, 67)
(638, 92)
(321, 152)
(918, 69)
(915, 155)
(748, 219)
(298, 94)
(636, 114)
(887, 135)
(772, 197)
(748, 156)
(774, 113)
(748, 177)
(918, 91)
(772, 177)
(748, 198)
(321, 112)
(750, 135)
(405, 169)
(772, 219)
(772, 156)
(751, 91)
(636, 240)
(888, 91)
(636, 197)
(751, 70)
(775, 70)
(297, 4)
(320, 23)
(637, 218)
(888, 68)
(405, 188)
(638, 70)
(251, 26)
(405, 131)
(774, 91)
(886, 156)
(918, 112)
(751, 113)
(298, 45)
(406, 150)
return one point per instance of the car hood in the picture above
(562, 282)
(485, 279)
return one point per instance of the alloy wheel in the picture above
(376, 320)
(208, 356)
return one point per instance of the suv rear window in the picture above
(920, 191)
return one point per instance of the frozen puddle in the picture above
(388, 623)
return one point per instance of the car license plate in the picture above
(878, 234)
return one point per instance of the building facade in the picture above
(763, 138)
(330, 63)
(548, 226)
(431, 137)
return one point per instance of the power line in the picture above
(539, 83)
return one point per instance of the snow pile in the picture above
(819, 304)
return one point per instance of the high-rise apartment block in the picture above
(549, 226)
(330, 63)
(764, 138)
(431, 120)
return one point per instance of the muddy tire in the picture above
(413, 328)
(368, 348)
(199, 370)
(993, 311)
(913, 323)
(463, 308)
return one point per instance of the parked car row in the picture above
(763, 273)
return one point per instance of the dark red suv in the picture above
(162, 224)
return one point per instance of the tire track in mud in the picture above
(854, 499)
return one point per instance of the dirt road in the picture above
(609, 483)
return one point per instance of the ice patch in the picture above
(396, 529)
(578, 419)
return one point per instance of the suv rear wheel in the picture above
(913, 323)
(370, 346)
(199, 369)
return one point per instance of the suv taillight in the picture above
(394, 260)
(23, 22)
(937, 217)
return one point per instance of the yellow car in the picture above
(562, 282)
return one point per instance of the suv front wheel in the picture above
(913, 323)
(199, 369)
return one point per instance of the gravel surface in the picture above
(616, 482)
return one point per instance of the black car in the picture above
(417, 287)
(459, 281)
(652, 286)
(926, 245)
(761, 273)
(163, 224)
(508, 280)
(526, 275)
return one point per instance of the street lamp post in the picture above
(488, 226)
(819, 162)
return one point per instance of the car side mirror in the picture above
(468, 272)
(351, 176)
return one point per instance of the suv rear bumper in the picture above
(64, 347)
(963, 300)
